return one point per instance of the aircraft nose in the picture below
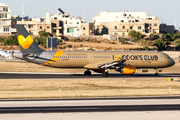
(172, 62)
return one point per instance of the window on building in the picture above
(70, 30)
(123, 27)
(6, 29)
(5, 9)
(129, 15)
(4, 22)
(40, 27)
(4, 15)
(84, 28)
(77, 22)
(122, 20)
(115, 27)
(30, 26)
(131, 27)
(124, 14)
(139, 27)
(47, 27)
(155, 24)
(70, 22)
(55, 18)
(77, 29)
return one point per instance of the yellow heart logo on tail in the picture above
(25, 42)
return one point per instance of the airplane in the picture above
(6, 54)
(125, 62)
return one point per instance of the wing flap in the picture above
(103, 65)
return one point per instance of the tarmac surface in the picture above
(20, 75)
(90, 105)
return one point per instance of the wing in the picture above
(104, 65)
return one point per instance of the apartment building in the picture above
(120, 23)
(34, 25)
(166, 28)
(87, 29)
(59, 24)
(71, 25)
(5, 19)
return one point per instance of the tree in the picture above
(42, 39)
(169, 36)
(123, 40)
(43, 34)
(153, 36)
(168, 43)
(177, 42)
(135, 35)
(11, 40)
(160, 44)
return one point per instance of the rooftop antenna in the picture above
(23, 9)
(84, 15)
(45, 10)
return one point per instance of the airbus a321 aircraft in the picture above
(125, 62)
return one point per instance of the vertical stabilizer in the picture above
(27, 44)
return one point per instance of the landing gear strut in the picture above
(105, 74)
(157, 72)
(87, 73)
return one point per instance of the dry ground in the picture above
(11, 89)
(81, 88)
(105, 46)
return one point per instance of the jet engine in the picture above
(126, 69)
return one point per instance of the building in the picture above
(5, 19)
(34, 25)
(166, 28)
(120, 23)
(87, 29)
(71, 25)
(59, 24)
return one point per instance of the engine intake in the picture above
(126, 69)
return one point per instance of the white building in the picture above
(5, 19)
(71, 25)
(120, 23)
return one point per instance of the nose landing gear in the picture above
(157, 72)
(87, 73)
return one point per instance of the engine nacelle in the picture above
(127, 69)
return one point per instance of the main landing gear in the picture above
(105, 74)
(87, 73)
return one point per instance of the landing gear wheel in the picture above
(156, 74)
(105, 74)
(87, 73)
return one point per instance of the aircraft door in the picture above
(90, 58)
(161, 58)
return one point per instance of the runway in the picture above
(19, 75)
(90, 105)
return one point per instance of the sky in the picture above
(166, 10)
